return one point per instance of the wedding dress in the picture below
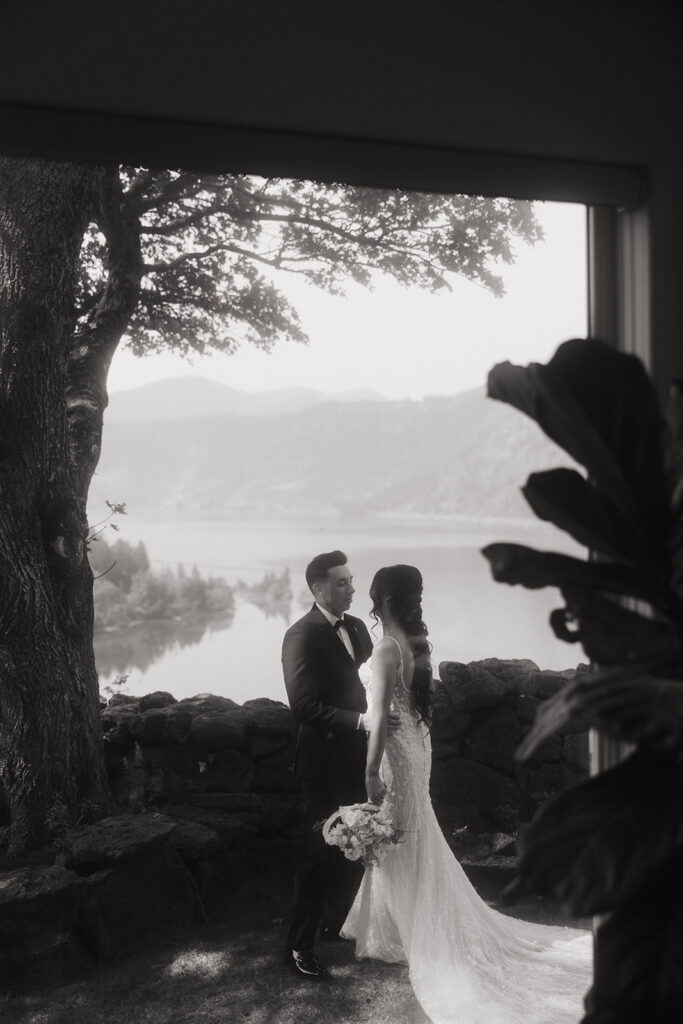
(468, 963)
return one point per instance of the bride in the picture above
(468, 963)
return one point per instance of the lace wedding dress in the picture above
(468, 963)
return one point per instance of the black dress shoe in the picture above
(306, 965)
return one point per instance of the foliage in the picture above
(211, 247)
(614, 843)
(132, 592)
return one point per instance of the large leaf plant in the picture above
(613, 844)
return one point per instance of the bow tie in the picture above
(338, 624)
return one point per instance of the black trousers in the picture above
(325, 883)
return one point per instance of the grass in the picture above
(230, 972)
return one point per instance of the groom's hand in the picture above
(393, 721)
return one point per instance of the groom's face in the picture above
(336, 592)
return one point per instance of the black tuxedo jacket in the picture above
(326, 695)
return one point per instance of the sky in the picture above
(404, 342)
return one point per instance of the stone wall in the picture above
(208, 814)
(229, 767)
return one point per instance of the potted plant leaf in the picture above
(613, 844)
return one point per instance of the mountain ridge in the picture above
(198, 397)
(442, 455)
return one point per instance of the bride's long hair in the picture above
(401, 585)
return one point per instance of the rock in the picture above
(539, 782)
(276, 773)
(36, 896)
(116, 722)
(447, 722)
(205, 702)
(472, 794)
(177, 723)
(119, 699)
(194, 842)
(226, 771)
(493, 738)
(527, 706)
(137, 900)
(545, 684)
(265, 703)
(229, 801)
(282, 813)
(158, 699)
(234, 827)
(148, 725)
(274, 727)
(43, 956)
(576, 751)
(113, 840)
(218, 730)
(471, 686)
(549, 750)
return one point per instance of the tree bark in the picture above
(51, 759)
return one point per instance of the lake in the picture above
(469, 616)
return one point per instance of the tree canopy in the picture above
(206, 245)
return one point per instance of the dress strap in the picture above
(388, 636)
(401, 680)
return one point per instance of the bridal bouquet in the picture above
(362, 832)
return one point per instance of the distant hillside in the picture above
(460, 455)
(191, 397)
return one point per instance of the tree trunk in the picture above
(51, 759)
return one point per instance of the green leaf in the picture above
(600, 407)
(565, 498)
(626, 703)
(597, 844)
(613, 635)
(637, 974)
(516, 563)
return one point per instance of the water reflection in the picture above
(140, 645)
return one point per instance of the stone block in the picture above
(575, 751)
(115, 840)
(203, 703)
(549, 750)
(116, 722)
(229, 801)
(119, 699)
(276, 772)
(467, 793)
(235, 828)
(493, 738)
(539, 782)
(36, 897)
(220, 730)
(158, 699)
(136, 900)
(148, 726)
(225, 771)
(43, 956)
(177, 723)
(472, 686)
(447, 722)
(527, 706)
(281, 813)
(445, 748)
(545, 684)
(194, 842)
(274, 727)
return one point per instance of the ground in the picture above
(230, 972)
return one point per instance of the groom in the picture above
(321, 655)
